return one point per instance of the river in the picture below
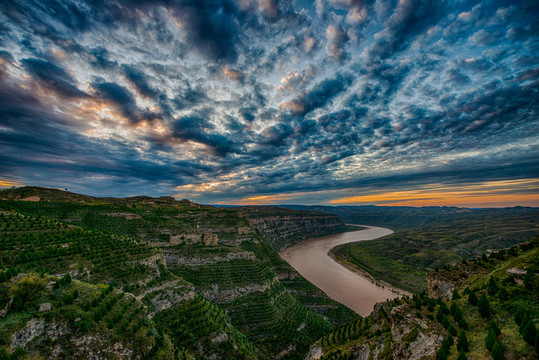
(310, 258)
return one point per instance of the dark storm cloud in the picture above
(409, 18)
(34, 137)
(121, 98)
(199, 130)
(100, 58)
(52, 77)
(139, 80)
(212, 26)
(319, 95)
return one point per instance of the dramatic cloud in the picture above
(266, 101)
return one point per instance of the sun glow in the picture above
(488, 194)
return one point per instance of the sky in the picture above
(334, 102)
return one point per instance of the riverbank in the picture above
(351, 288)
(364, 274)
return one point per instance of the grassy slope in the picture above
(403, 258)
(375, 330)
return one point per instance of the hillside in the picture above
(403, 217)
(403, 258)
(208, 282)
(478, 309)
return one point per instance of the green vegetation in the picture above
(403, 259)
(84, 277)
(76, 310)
(181, 265)
(507, 331)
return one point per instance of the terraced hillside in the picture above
(205, 276)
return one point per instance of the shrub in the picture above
(18, 353)
(67, 278)
(26, 290)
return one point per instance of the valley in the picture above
(310, 258)
(156, 278)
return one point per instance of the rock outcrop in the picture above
(283, 230)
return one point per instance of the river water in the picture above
(310, 258)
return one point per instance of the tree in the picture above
(529, 333)
(490, 340)
(520, 314)
(498, 351)
(444, 308)
(492, 325)
(463, 324)
(456, 295)
(462, 356)
(528, 283)
(445, 322)
(452, 330)
(67, 278)
(462, 344)
(26, 290)
(472, 298)
(440, 315)
(503, 294)
(483, 307)
(441, 354)
(457, 315)
(492, 286)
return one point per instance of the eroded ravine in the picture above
(310, 258)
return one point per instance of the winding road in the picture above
(310, 258)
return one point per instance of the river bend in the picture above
(310, 258)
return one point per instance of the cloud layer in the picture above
(224, 100)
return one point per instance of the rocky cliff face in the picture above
(283, 230)
(442, 283)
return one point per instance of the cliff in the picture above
(281, 229)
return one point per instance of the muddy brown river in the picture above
(310, 258)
